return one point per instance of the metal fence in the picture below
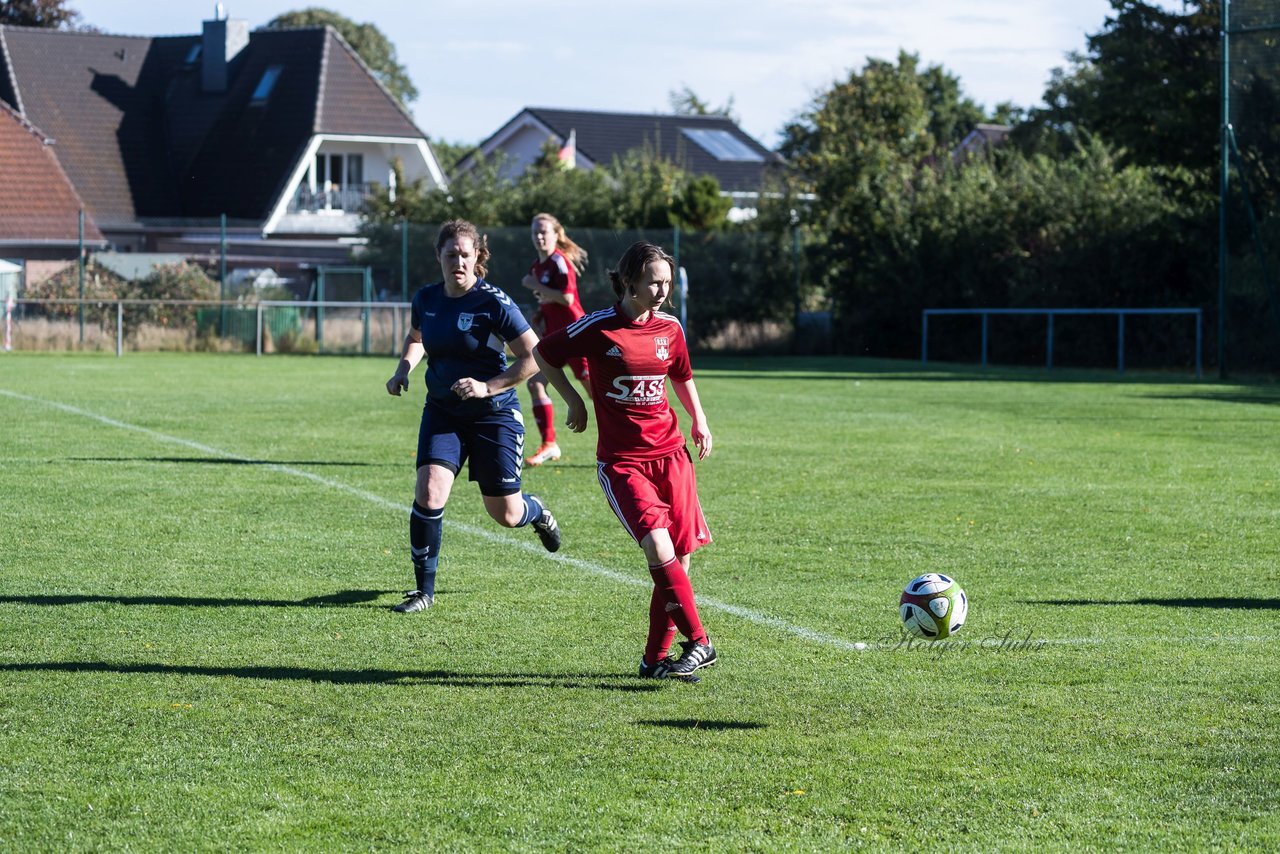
(1050, 314)
(1249, 224)
(264, 327)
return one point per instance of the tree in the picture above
(699, 206)
(906, 227)
(1148, 84)
(449, 154)
(374, 48)
(859, 146)
(685, 102)
(52, 14)
(951, 115)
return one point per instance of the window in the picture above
(723, 145)
(193, 55)
(265, 85)
(339, 181)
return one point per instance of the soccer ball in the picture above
(933, 606)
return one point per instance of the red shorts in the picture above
(655, 494)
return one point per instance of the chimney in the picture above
(223, 38)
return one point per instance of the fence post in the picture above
(320, 310)
(119, 328)
(222, 274)
(404, 259)
(364, 310)
(924, 337)
(80, 254)
(1224, 181)
(1199, 316)
(795, 266)
(258, 332)
(1048, 347)
(1120, 366)
(984, 340)
(675, 255)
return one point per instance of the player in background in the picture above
(644, 468)
(462, 325)
(553, 278)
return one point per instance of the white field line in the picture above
(1010, 641)
(492, 536)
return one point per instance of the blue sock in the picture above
(532, 510)
(426, 528)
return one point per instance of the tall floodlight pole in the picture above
(1224, 179)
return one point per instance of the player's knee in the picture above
(507, 516)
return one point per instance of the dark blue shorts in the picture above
(492, 443)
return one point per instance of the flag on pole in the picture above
(569, 151)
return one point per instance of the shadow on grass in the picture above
(217, 461)
(1226, 602)
(1267, 396)
(334, 600)
(693, 723)
(408, 678)
(903, 370)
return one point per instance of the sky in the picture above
(477, 65)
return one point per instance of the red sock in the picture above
(673, 584)
(662, 629)
(544, 415)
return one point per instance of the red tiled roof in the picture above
(37, 202)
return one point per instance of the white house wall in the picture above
(522, 148)
(377, 153)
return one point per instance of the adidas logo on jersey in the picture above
(615, 350)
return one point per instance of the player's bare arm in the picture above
(546, 294)
(576, 409)
(520, 370)
(410, 355)
(687, 392)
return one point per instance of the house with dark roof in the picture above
(701, 145)
(281, 131)
(40, 226)
(981, 140)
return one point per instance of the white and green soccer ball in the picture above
(933, 606)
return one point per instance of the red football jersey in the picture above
(558, 274)
(629, 364)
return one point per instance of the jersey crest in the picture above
(465, 319)
(661, 347)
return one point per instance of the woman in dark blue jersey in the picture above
(463, 325)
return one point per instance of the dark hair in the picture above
(455, 228)
(632, 263)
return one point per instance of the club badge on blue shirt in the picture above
(464, 321)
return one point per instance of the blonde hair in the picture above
(455, 228)
(575, 254)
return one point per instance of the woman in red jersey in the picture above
(644, 468)
(553, 278)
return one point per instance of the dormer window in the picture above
(265, 85)
(723, 145)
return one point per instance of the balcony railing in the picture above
(350, 199)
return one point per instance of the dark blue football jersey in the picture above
(466, 337)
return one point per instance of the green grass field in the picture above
(198, 554)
